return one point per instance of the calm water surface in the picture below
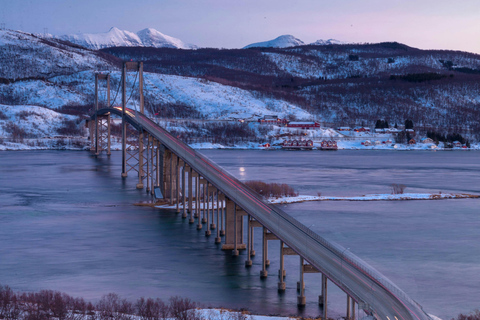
(68, 223)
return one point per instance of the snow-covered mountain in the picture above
(31, 56)
(326, 42)
(115, 37)
(280, 42)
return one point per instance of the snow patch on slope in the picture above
(217, 101)
(34, 120)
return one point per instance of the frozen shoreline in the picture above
(73, 145)
(376, 197)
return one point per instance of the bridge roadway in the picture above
(371, 290)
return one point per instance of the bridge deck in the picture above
(371, 290)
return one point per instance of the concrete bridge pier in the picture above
(184, 191)
(197, 204)
(190, 191)
(177, 184)
(233, 227)
(212, 190)
(264, 272)
(147, 163)
(281, 272)
(203, 189)
(350, 308)
(322, 300)
(218, 239)
(301, 300)
(190, 196)
(208, 232)
(223, 200)
(248, 262)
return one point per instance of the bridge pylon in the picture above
(135, 66)
(100, 129)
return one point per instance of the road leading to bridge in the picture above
(371, 290)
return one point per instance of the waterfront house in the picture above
(304, 124)
(427, 140)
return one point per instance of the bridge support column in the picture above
(147, 163)
(248, 262)
(218, 239)
(233, 227)
(197, 205)
(140, 161)
(348, 308)
(190, 193)
(301, 300)
(281, 273)
(208, 232)
(222, 215)
(323, 298)
(184, 191)
(109, 127)
(235, 233)
(264, 272)
(211, 190)
(203, 182)
(177, 184)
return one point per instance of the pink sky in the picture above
(425, 24)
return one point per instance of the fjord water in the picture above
(68, 223)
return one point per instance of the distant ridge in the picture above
(116, 37)
(284, 41)
(326, 42)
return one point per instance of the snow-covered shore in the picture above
(376, 197)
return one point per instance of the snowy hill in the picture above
(280, 42)
(326, 42)
(122, 38)
(32, 57)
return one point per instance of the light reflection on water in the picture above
(67, 222)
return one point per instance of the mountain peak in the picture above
(283, 41)
(116, 37)
(326, 42)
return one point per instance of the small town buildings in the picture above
(272, 119)
(328, 145)
(457, 144)
(380, 130)
(367, 143)
(297, 144)
(344, 129)
(304, 124)
(392, 130)
(427, 140)
(361, 129)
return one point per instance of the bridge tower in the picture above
(133, 153)
(100, 138)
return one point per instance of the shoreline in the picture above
(377, 197)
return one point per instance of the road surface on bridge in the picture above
(370, 289)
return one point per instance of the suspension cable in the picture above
(118, 89)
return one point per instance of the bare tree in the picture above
(397, 188)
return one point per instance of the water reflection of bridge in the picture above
(215, 200)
